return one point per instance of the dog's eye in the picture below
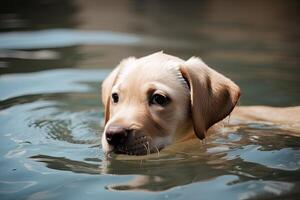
(159, 99)
(115, 97)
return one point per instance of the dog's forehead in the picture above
(156, 67)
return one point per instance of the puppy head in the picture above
(153, 100)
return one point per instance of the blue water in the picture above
(51, 117)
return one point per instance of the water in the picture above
(51, 118)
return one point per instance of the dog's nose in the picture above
(117, 135)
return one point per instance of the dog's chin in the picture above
(141, 145)
(134, 150)
(129, 152)
(138, 146)
(138, 150)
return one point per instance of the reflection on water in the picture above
(63, 38)
(51, 117)
(73, 81)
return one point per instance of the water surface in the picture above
(51, 117)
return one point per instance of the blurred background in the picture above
(54, 54)
(255, 43)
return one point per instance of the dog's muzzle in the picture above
(128, 141)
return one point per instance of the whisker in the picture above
(145, 147)
(156, 148)
(148, 152)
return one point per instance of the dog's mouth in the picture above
(137, 146)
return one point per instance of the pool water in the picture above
(54, 55)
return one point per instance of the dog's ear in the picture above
(107, 85)
(213, 96)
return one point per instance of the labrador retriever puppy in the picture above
(154, 101)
